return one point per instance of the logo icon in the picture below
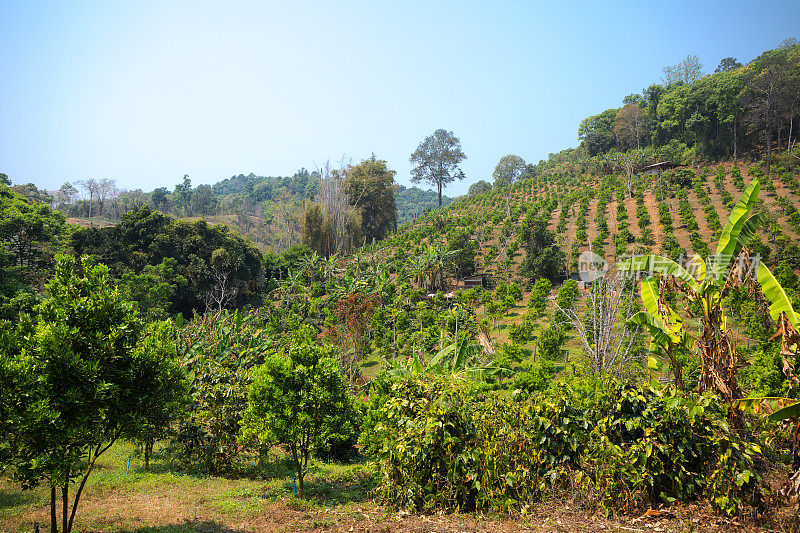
(591, 266)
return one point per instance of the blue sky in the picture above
(145, 92)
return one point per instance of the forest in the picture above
(342, 351)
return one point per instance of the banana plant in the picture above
(707, 283)
(461, 355)
(665, 327)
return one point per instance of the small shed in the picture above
(658, 168)
(476, 280)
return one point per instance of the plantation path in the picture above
(652, 209)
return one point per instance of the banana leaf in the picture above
(792, 410)
(775, 294)
(657, 264)
(766, 405)
(729, 239)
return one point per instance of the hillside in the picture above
(584, 212)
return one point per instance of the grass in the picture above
(119, 498)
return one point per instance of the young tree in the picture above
(353, 315)
(299, 400)
(73, 383)
(436, 160)
(169, 393)
(539, 295)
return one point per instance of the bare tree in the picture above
(629, 125)
(106, 189)
(91, 185)
(687, 71)
(605, 338)
(335, 204)
(221, 294)
(761, 102)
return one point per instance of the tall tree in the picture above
(761, 100)
(437, 160)
(629, 126)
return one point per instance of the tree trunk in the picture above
(53, 517)
(148, 448)
(735, 161)
(65, 507)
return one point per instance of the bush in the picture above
(442, 445)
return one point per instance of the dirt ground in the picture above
(184, 511)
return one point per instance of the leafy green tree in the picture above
(168, 394)
(464, 248)
(436, 160)
(479, 187)
(726, 64)
(183, 195)
(543, 257)
(550, 343)
(370, 189)
(203, 200)
(159, 198)
(539, 295)
(73, 382)
(30, 235)
(299, 400)
(508, 170)
(146, 237)
(597, 132)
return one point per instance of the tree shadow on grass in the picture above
(12, 499)
(338, 491)
(194, 526)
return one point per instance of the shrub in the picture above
(442, 445)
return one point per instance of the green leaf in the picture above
(773, 291)
(658, 264)
(729, 239)
(790, 411)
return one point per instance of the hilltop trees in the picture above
(436, 160)
(597, 132)
(702, 113)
